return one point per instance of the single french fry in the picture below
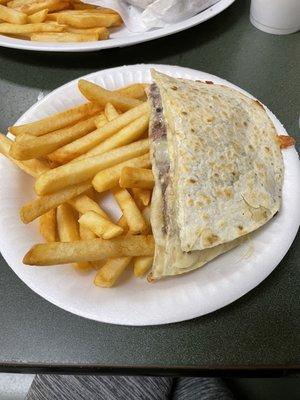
(141, 265)
(108, 178)
(136, 178)
(38, 17)
(90, 250)
(110, 112)
(103, 33)
(54, 16)
(102, 96)
(98, 264)
(102, 227)
(32, 167)
(14, 29)
(67, 226)
(91, 8)
(41, 205)
(133, 215)
(16, 3)
(84, 203)
(47, 224)
(27, 146)
(64, 37)
(135, 91)
(111, 271)
(127, 135)
(12, 16)
(89, 20)
(82, 6)
(101, 120)
(68, 229)
(122, 222)
(33, 7)
(147, 214)
(84, 170)
(89, 141)
(85, 233)
(142, 196)
(56, 121)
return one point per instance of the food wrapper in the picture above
(144, 15)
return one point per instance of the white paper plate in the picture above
(134, 301)
(120, 37)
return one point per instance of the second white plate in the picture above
(134, 301)
(120, 38)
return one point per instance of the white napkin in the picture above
(143, 15)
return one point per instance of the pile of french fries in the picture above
(98, 146)
(56, 20)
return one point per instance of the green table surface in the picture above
(257, 332)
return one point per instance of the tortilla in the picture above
(218, 171)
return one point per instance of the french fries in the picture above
(38, 17)
(76, 153)
(86, 143)
(89, 250)
(41, 205)
(32, 7)
(111, 271)
(110, 112)
(64, 37)
(101, 120)
(85, 233)
(14, 29)
(136, 91)
(89, 20)
(101, 226)
(68, 229)
(86, 169)
(27, 146)
(141, 196)
(108, 178)
(67, 226)
(47, 223)
(56, 20)
(12, 16)
(32, 167)
(103, 33)
(141, 265)
(136, 178)
(84, 203)
(127, 135)
(56, 121)
(131, 212)
(101, 96)
(122, 222)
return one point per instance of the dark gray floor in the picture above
(15, 387)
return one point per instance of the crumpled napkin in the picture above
(143, 15)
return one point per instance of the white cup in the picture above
(279, 17)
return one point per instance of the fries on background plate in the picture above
(56, 20)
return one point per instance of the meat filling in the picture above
(158, 134)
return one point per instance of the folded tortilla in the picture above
(218, 171)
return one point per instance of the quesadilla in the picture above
(218, 171)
